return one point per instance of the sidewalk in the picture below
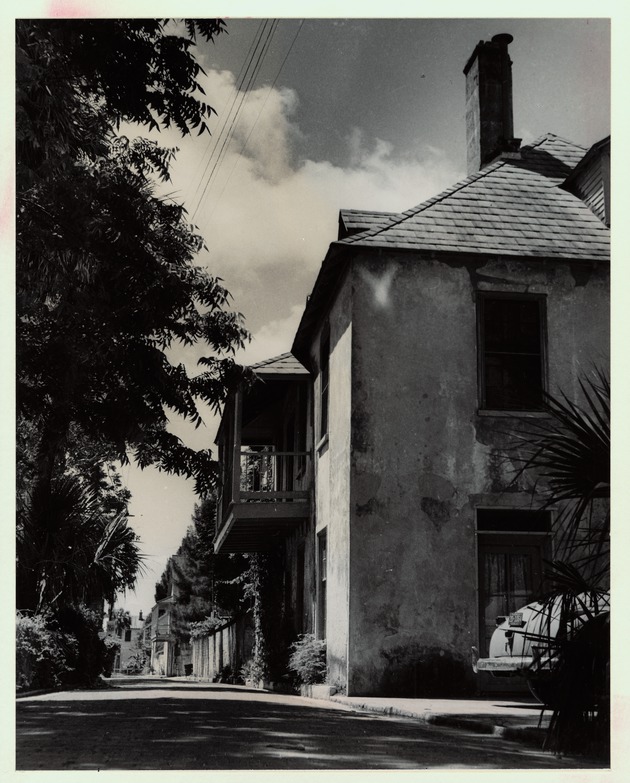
(514, 719)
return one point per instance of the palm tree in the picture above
(84, 554)
(569, 452)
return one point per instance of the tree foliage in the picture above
(106, 276)
(85, 553)
(203, 584)
(569, 452)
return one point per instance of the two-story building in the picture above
(377, 455)
(128, 634)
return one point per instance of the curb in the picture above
(530, 735)
(40, 692)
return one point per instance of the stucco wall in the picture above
(423, 458)
(332, 472)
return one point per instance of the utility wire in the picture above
(242, 95)
(238, 82)
(243, 148)
(236, 91)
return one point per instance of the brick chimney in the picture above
(489, 122)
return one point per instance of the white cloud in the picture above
(265, 209)
(273, 339)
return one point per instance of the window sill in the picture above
(514, 414)
(322, 445)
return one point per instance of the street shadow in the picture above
(227, 733)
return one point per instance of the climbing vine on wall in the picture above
(263, 587)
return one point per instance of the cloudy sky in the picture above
(331, 113)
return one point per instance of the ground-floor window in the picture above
(299, 590)
(322, 567)
(512, 545)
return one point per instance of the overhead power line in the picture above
(238, 82)
(244, 147)
(251, 72)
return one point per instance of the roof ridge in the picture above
(368, 211)
(549, 135)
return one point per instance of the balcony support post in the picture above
(236, 445)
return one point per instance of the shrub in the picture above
(253, 670)
(40, 653)
(63, 649)
(87, 659)
(136, 664)
(308, 659)
(205, 627)
(112, 646)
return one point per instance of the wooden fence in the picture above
(227, 647)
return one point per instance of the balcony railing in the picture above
(262, 475)
(268, 475)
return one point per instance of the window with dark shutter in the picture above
(323, 381)
(322, 568)
(511, 352)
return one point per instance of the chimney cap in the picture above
(501, 39)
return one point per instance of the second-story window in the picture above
(324, 358)
(511, 329)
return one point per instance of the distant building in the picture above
(376, 456)
(163, 641)
(128, 636)
(170, 655)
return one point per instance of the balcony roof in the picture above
(280, 366)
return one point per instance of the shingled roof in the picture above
(285, 364)
(352, 221)
(513, 206)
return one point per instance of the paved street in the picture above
(160, 724)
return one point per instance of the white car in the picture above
(524, 642)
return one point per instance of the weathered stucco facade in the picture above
(424, 457)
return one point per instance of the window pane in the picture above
(512, 325)
(493, 596)
(513, 382)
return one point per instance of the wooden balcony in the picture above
(266, 495)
